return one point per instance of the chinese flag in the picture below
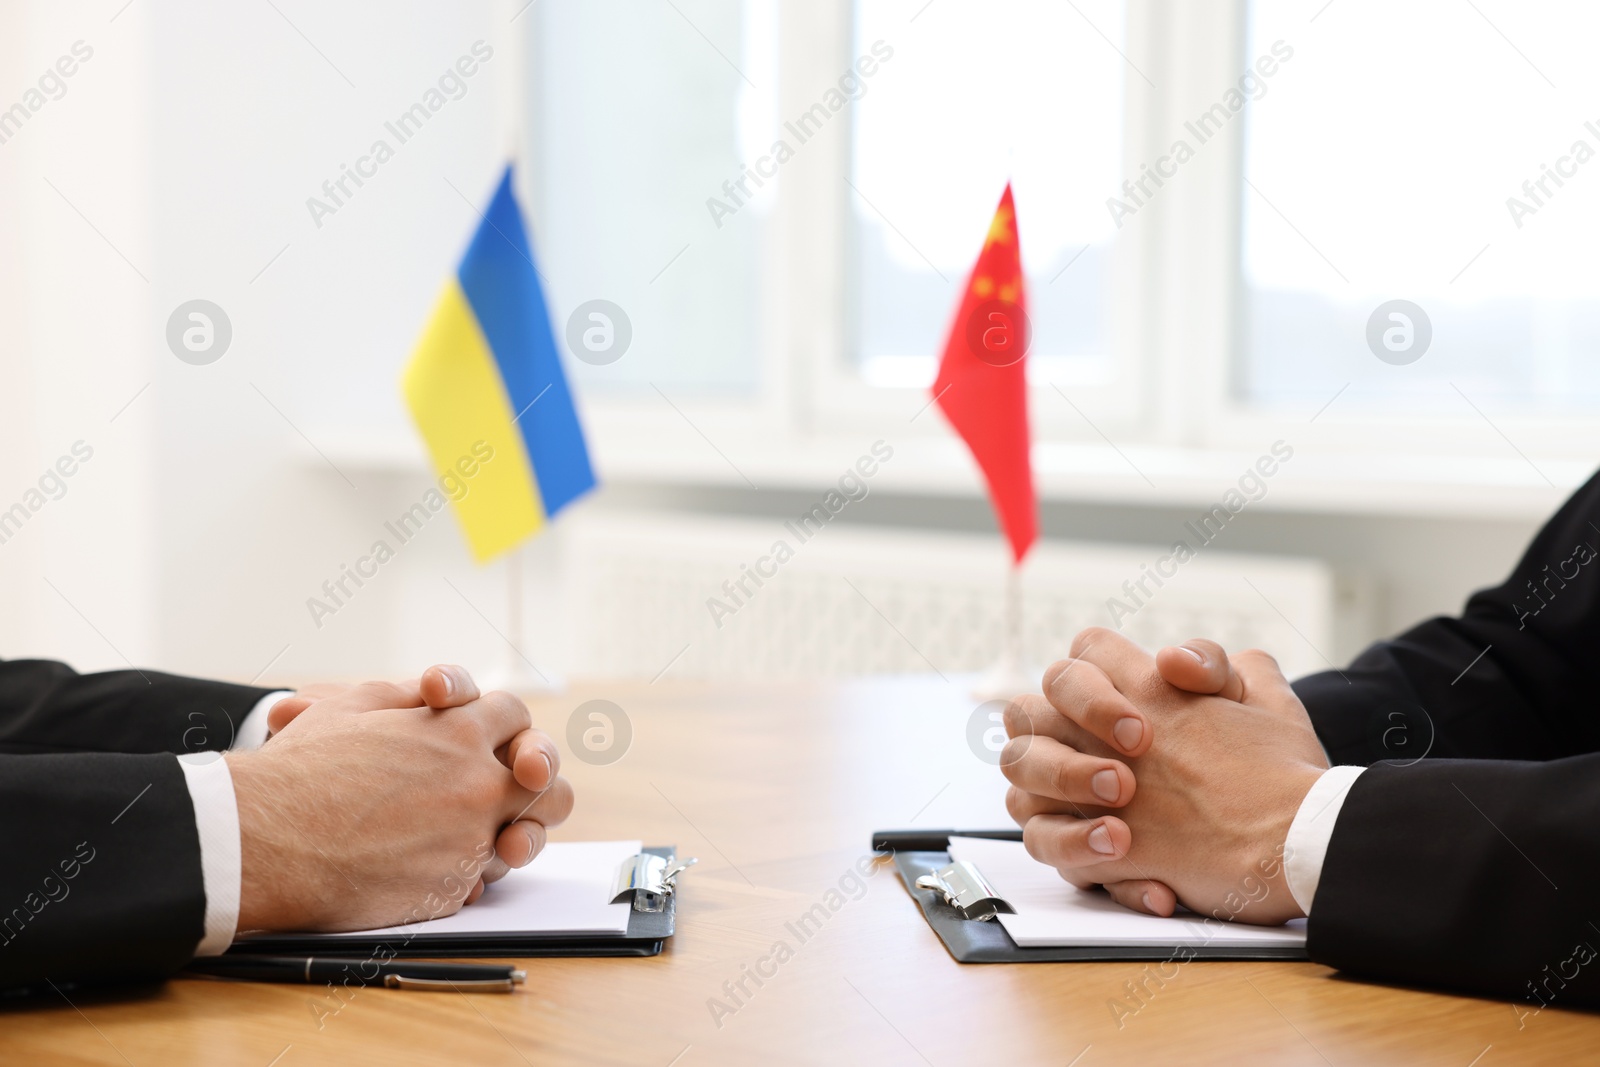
(982, 385)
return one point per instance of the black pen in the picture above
(395, 974)
(932, 840)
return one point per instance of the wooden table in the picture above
(776, 789)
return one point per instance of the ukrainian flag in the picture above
(486, 370)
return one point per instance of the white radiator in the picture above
(655, 594)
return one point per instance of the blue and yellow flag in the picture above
(486, 375)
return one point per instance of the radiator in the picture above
(655, 595)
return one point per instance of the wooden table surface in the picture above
(777, 789)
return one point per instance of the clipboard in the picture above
(960, 907)
(649, 879)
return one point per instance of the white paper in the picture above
(1051, 912)
(566, 890)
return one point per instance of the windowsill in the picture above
(1468, 487)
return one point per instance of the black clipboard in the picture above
(975, 941)
(647, 936)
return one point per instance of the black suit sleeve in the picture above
(100, 879)
(1512, 678)
(1474, 874)
(49, 707)
(1476, 866)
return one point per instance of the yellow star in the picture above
(1009, 292)
(983, 286)
(1000, 228)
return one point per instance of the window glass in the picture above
(1434, 153)
(645, 111)
(974, 94)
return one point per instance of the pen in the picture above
(932, 840)
(395, 974)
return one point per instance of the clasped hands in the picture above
(1167, 779)
(382, 803)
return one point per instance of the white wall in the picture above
(249, 121)
(75, 308)
(191, 140)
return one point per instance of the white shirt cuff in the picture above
(216, 820)
(1312, 829)
(253, 731)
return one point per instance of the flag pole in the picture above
(514, 607)
(518, 675)
(1013, 651)
(1008, 677)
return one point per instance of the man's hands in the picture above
(531, 755)
(1221, 771)
(371, 806)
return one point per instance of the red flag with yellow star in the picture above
(982, 385)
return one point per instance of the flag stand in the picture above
(518, 675)
(1008, 677)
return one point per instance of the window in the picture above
(1389, 155)
(976, 94)
(1420, 151)
(638, 122)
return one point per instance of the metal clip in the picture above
(650, 879)
(965, 888)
